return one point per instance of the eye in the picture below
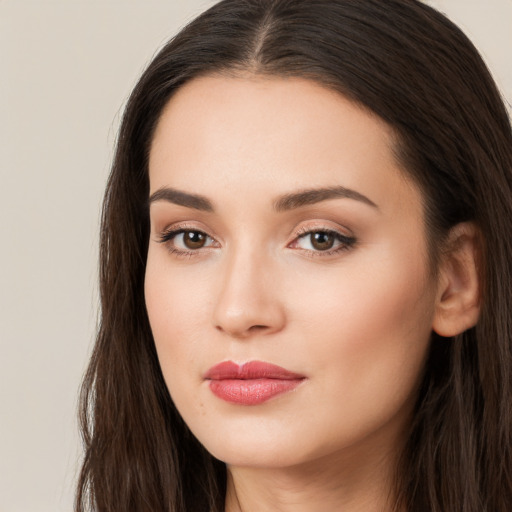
(192, 239)
(321, 240)
(327, 241)
(186, 240)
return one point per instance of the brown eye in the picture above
(322, 241)
(194, 239)
(186, 241)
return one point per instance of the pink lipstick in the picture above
(252, 383)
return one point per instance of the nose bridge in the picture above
(247, 302)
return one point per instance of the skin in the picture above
(355, 323)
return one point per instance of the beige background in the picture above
(67, 68)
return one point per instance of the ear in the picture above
(458, 298)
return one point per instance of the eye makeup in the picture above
(313, 241)
(322, 242)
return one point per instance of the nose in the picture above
(248, 302)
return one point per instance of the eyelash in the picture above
(169, 235)
(345, 242)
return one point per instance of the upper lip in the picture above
(250, 370)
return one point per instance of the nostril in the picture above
(257, 327)
(243, 332)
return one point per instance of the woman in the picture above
(305, 270)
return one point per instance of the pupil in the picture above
(322, 241)
(194, 239)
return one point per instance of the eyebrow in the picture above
(284, 203)
(180, 198)
(313, 196)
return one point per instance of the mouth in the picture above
(251, 383)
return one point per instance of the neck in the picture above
(340, 482)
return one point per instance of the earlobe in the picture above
(458, 299)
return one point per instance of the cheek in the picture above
(176, 309)
(375, 308)
(372, 326)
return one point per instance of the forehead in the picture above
(244, 135)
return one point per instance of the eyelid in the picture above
(183, 226)
(346, 240)
(169, 233)
(324, 228)
(317, 225)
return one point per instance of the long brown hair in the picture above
(412, 67)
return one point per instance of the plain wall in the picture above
(67, 67)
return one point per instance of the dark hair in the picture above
(411, 66)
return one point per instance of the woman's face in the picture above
(283, 232)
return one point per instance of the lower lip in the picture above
(251, 391)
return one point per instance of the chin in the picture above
(263, 443)
(251, 441)
(258, 455)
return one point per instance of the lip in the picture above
(251, 383)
